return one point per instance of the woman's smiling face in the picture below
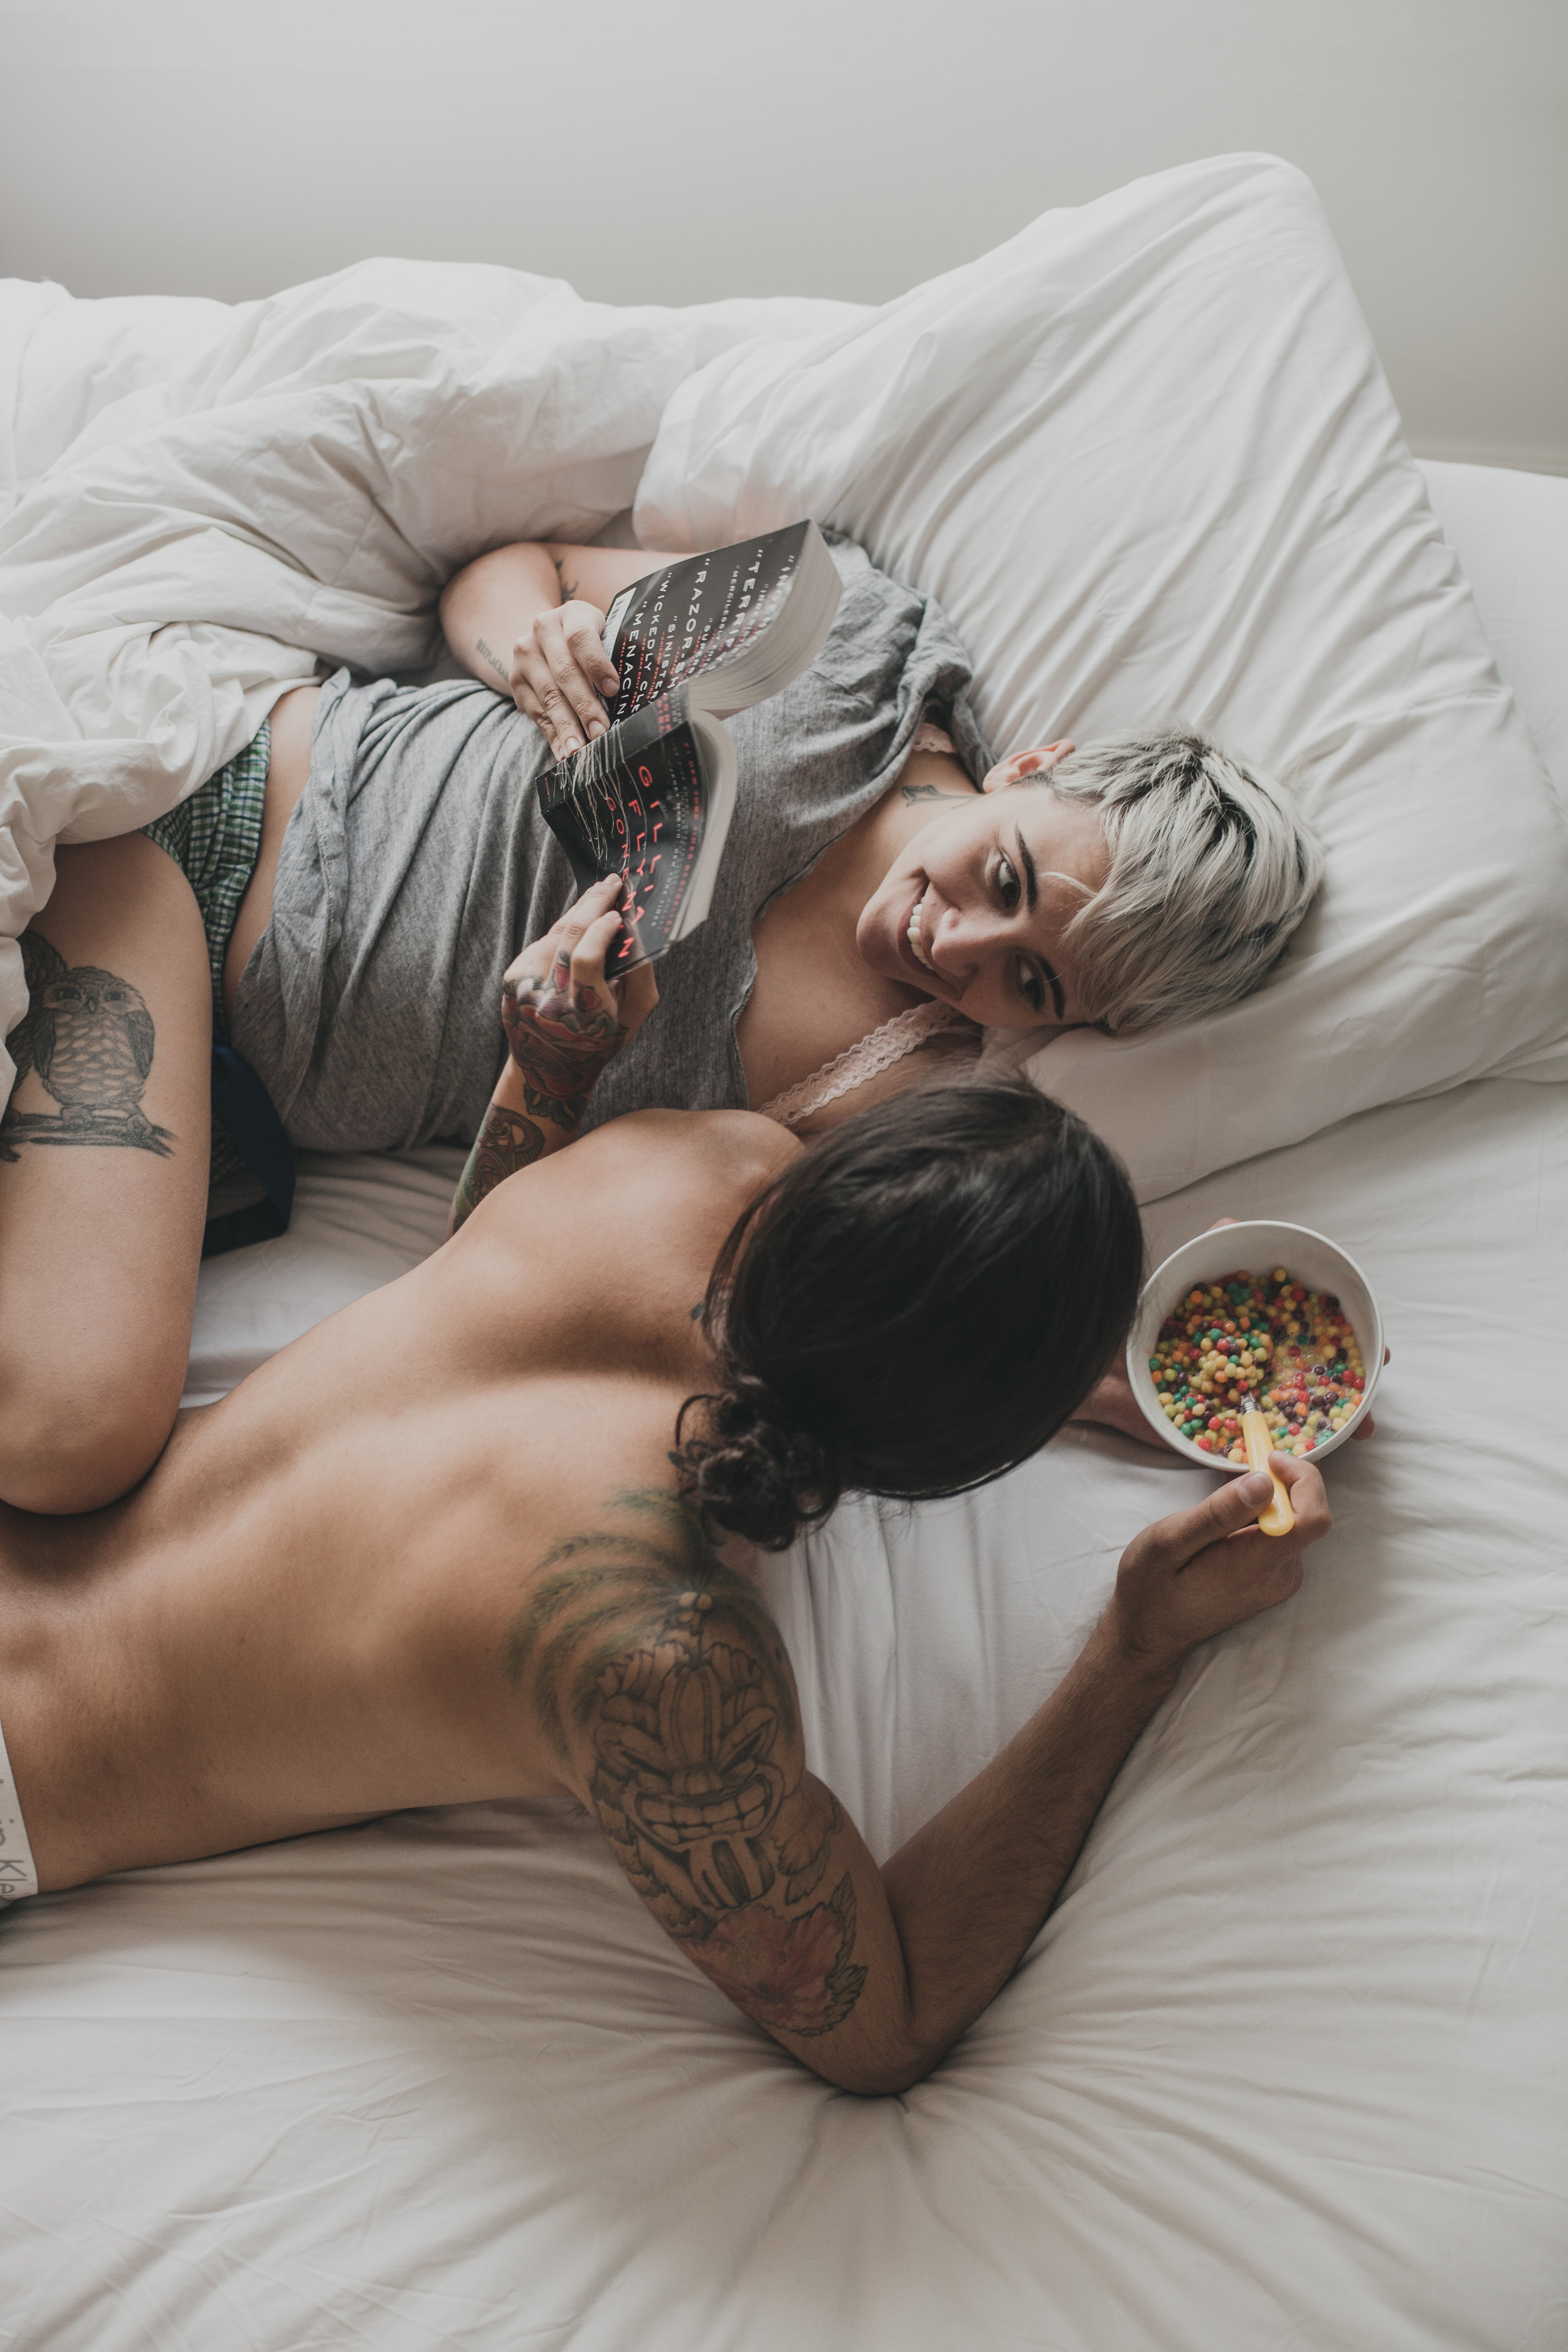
(975, 909)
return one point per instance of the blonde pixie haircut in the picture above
(1212, 868)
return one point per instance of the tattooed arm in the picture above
(565, 1020)
(529, 621)
(667, 1690)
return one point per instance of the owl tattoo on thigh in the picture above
(89, 1036)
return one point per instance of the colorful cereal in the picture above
(1250, 1342)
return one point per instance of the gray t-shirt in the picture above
(417, 864)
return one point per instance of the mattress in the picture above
(1284, 2069)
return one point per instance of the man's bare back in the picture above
(301, 1615)
(438, 1551)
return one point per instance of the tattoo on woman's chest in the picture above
(914, 792)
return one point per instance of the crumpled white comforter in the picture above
(199, 501)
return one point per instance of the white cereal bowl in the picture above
(1259, 1246)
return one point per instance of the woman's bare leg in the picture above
(103, 1177)
(287, 774)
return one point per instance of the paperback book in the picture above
(652, 798)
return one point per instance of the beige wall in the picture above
(680, 149)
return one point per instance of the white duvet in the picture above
(200, 501)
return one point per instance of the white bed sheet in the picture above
(1284, 2070)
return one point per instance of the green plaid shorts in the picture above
(214, 839)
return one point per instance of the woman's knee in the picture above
(67, 1447)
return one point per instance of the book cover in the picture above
(653, 797)
(644, 815)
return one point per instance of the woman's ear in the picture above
(1019, 765)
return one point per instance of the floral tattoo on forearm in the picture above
(688, 1725)
(560, 1038)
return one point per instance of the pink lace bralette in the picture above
(904, 1034)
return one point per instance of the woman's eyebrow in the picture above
(1032, 892)
(1031, 879)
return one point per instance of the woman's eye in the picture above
(1031, 987)
(1006, 883)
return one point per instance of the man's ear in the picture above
(1036, 761)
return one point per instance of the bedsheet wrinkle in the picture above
(1285, 2068)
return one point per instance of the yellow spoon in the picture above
(1277, 1517)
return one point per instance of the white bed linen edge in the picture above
(1509, 531)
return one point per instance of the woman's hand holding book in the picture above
(566, 1019)
(559, 670)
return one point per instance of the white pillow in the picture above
(1510, 531)
(1145, 458)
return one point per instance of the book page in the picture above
(694, 614)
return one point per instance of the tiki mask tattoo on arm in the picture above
(696, 1777)
(89, 1036)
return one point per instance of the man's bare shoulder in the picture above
(689, 1166)
(734, 1146)
(608, 1246)
(639, 1562)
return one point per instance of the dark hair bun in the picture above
(979, 1228)
(750, 1471)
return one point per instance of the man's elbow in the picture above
(883, 2076)
(883, 2050)
(890, 2086)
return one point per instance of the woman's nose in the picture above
(963, 940)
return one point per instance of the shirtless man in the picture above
(441, 1551)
